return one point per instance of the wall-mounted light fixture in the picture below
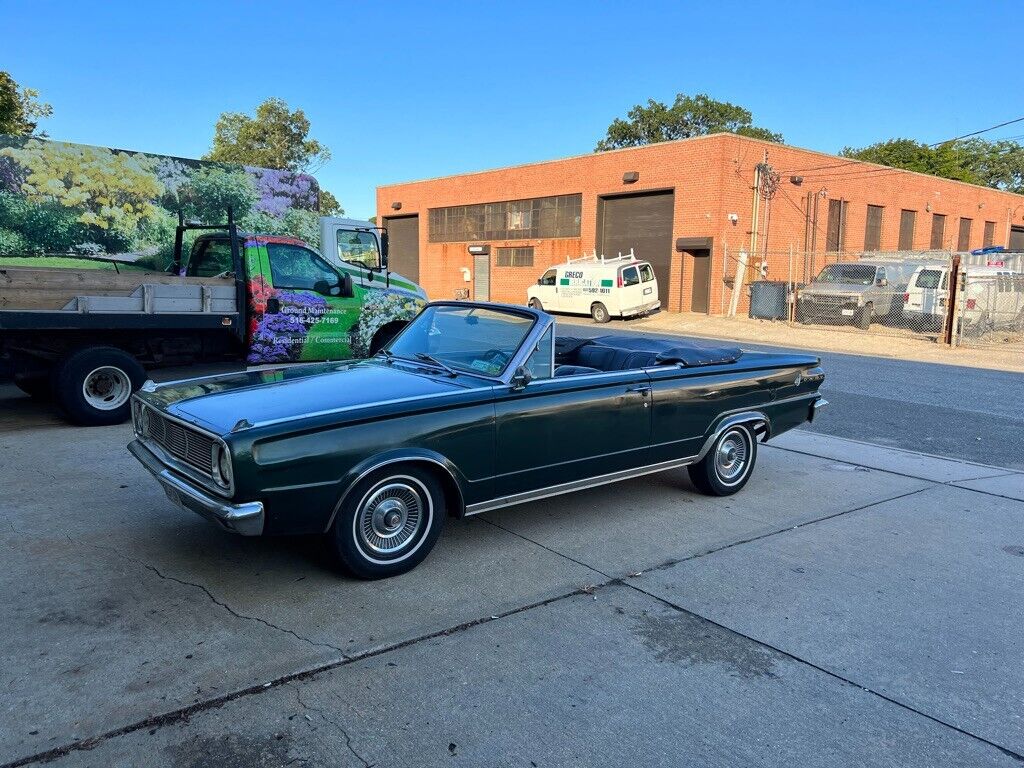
(796, 180)
(733, 218)
(479, 250)
(631, 177)
(396, 206)
(928, 207)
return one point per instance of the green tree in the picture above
(20, 108)
(329, 205)
(998, 164)
(275, 138)
(210, 191)
(688, 116)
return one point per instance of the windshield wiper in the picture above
(433, 360)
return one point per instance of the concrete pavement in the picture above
(854, 605)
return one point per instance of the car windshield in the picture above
(862, 274)
(466, 338)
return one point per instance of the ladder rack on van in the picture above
(602, 259)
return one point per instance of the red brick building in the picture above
(689, 207)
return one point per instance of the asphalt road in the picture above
(946, 410)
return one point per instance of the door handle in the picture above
(643, 390)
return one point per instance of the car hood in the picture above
(835, 289)
(219, 403)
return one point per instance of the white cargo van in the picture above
(599, 287)
(992, 298)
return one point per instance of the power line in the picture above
(983, 130)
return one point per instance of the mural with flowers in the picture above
(58, 198)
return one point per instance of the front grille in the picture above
(183, 443)
(831, 301)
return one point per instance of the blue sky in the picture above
(403, 90)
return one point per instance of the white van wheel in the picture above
(600, 313)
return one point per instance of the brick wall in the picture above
(712, 177)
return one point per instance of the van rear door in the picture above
(631, 290)
(925, 290)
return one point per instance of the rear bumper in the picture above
(641, 310)
(816, 407)
(245, 519)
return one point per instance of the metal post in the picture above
(954, 279)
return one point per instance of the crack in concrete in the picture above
(336, 724)
(183, 714)
(211, 596)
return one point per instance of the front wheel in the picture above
(727, 466)
(388, 522)
(863, 317)
(600, 313)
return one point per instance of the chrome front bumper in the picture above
(245, 519)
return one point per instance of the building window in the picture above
(990, 234)
(963, 242)
(872, 228)
(557, 216)
(938, 231)
(515, 257)
(836, 233)
(907, 221)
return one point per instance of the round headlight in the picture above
(222, 466)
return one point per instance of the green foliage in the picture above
(688, 116)
(998, 164)
(210, 191)
(329, 205)
(304, 225)
(275, 138)
(20, 109)
(12, 242)
(44, 226)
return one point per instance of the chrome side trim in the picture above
(575, 485)
(246, 519)
(385, 463)
(614, 477)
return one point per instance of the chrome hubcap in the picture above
(107, 388)
(731, 456)
(390, 517)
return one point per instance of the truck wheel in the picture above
(94, 385)
(727, 466)
(863, 317)
(600, 313)
(388, 522)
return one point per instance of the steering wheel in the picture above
(497, 357)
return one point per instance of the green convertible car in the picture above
(472, 407)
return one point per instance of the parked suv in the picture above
(856, 292)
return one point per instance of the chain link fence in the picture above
(943, 296)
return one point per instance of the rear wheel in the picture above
(94, 385)
(388, 522)
(727, 466)
(600, 313)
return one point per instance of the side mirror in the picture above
(520, 379)
(882, 282)
(540, 281)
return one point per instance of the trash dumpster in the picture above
(768, 300)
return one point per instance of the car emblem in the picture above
(797, 380)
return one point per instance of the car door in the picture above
(559, 430)
(304, 308)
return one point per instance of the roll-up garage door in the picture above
(404, 246)
(642, 222)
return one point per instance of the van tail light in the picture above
(619, 282)
(972, 303)
(906, 298)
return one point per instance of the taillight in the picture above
(619, 281)
(972, 303)
(906, 298)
